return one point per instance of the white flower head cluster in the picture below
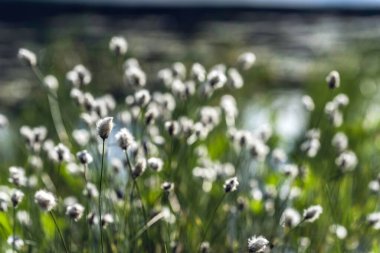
(33, 137)
(104, 127)
(373, 220)
(246, 60)
(333, 79)
(124, 138)
(118, 45)
(75, 211)
(27, 57)
(347, 161)
(79, 76)
(258, 244)
(333, 109)
(45, 200)
(290, 218)
(84, 157)
(231, 184)
(17, 176)
(312, 143)
(312, 213)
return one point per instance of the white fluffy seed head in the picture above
(118, 45)
(142, 97)
(17, 176)
(198, 72)
(45, 200)
(333, 79)
(231, 184)
(308, 103)
(312, 213)
(27, 57)
(107, 219)
(51, 82)
(258, 244)
(290, 218)
(124, 138)
(104, 127)
(246, 60)
(84, 157)
(134, 77)
(167, 186)
(235, 80)
(75, 211)
(90, 191)
(216, 79)
(139, 168)
(172, 127)
(155, 163)
(340, 142)
(17, 197)
(16, 241)
(79, 76)
(347, 161)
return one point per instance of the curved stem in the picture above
(100, 199)
(59, 231)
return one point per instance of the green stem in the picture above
(212, 218)
(14, 230)
(54, 108)
(59, 231)
(138, 193)
(100, 199)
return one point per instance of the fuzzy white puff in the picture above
(104, 127)
(45, 200)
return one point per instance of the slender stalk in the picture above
(14, 230)
(138, 192)
(100, 199)
(54, 108)
(59, 231)
(212, 218)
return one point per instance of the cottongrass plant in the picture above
(180, 173)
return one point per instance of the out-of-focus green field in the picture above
(294, 54)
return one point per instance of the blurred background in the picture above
(297, 42)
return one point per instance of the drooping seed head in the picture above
(27, 57)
